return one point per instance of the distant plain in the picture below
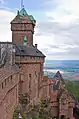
(68, 68)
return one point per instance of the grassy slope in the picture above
(73, 87)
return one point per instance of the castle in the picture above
(21, 73)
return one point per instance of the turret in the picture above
(22, 27)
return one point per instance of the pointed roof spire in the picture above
(58, 76)
(23, 12)
(22, 6)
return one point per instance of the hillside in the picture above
(73, 88)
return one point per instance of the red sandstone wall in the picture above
(18, 37)
(29, 60)
(54, 111)
(20, 30)
(46, 88)
(44, 92)
(66, 105)
(31, 74)
(9, 97)
(30, 77)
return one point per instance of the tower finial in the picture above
(22, 5)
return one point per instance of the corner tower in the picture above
(22, 27)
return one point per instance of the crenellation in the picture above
(29, 59)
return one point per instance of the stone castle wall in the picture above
(18, 37)
(31, 75)
(8, 96)
(21, 30)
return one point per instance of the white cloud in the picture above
(5, 19)
(62, 28)
(65, 11)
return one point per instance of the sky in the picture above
(57, 27)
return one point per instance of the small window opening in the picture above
(11, 77)
(35, 73)
(30, 75)
(2, 85)
(5, 81)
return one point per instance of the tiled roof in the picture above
(5, 72)
(28, 51)
(22, 50)
(21, 19)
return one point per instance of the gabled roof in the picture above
(58, 76)
(21, 19)
(58, 80)
(22, 50)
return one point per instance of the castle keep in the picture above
(21, 73)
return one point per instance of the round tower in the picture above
(22, 26)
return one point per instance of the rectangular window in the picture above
(2, 85)
(35, 74)
(30, 81)
(11, 77)
(5, 82)
(29, 75)
(41, 67)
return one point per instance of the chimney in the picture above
(36, 46)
